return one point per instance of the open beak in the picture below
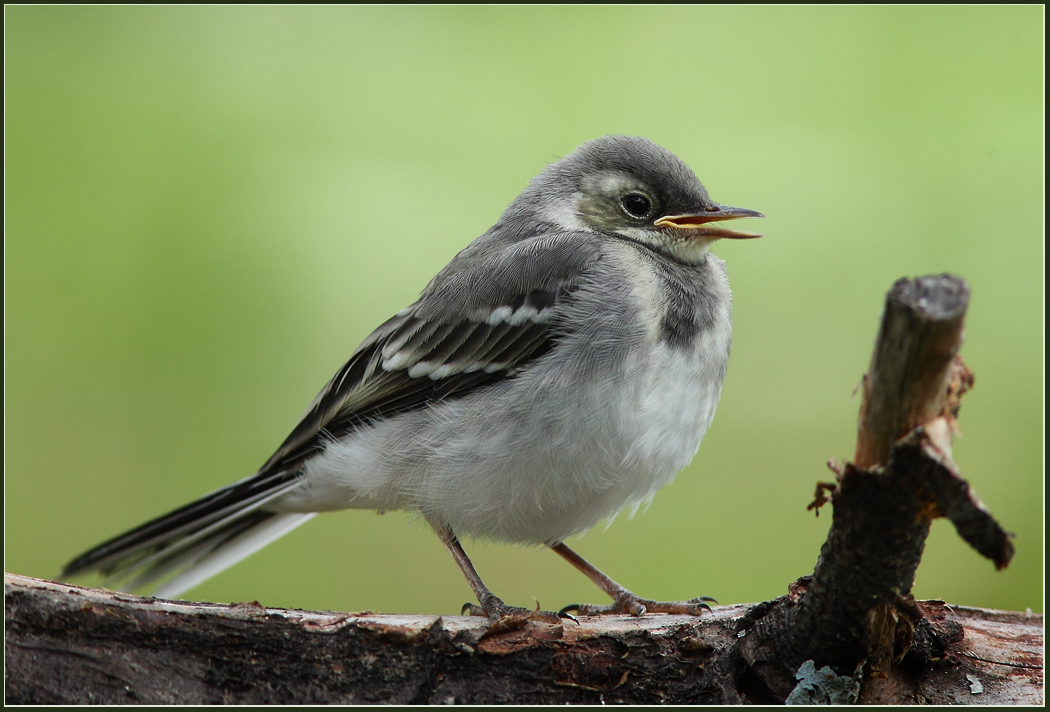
(698, 224)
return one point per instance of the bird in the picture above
(563, 366)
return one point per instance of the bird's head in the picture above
(630, 187)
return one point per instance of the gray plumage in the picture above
(562, 366)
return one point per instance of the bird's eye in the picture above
(636, 204)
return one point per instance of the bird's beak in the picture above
(697, 223)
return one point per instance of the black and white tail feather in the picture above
(450, 343)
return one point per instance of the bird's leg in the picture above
(623, 600)
(491, 605)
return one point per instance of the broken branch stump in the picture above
(857, 607)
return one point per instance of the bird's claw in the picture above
(512, 616)
(629, 604)
(472, 609)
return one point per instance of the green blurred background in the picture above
(209, 208)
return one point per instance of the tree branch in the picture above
(71, 645)
(856, 613)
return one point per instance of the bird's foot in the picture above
(507, 617)
(627, 603)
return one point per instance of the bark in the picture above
(71, 645)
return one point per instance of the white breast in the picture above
(679, 406)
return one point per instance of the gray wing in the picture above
(480, 321)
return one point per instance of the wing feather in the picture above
(450, 342)
(409, 354)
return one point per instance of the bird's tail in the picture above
(197, 541)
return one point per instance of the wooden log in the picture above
(66, 644)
